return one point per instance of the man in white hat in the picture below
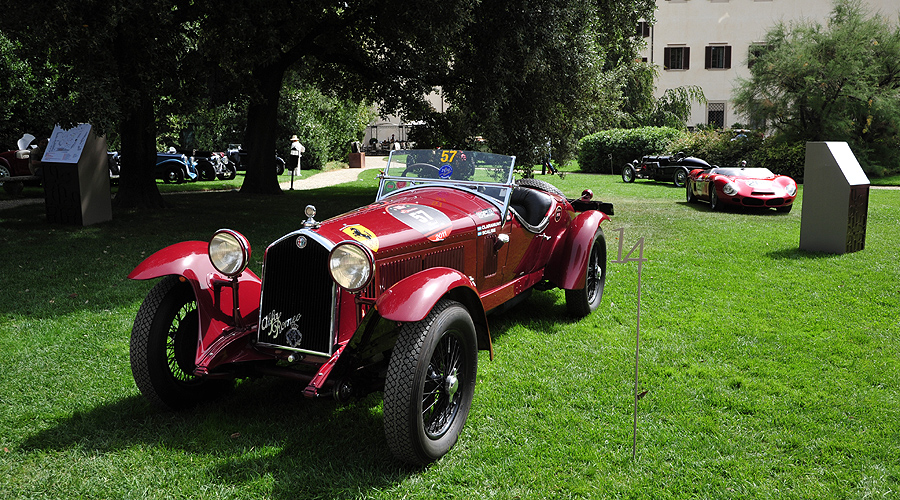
(297, 150)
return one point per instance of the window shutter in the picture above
(728, 57)
(687, 58)
(667, 55)
(708, 57)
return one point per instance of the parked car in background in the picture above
(175, 168)
(14, 162)
(674, 168)
(236, 154)
(391, 297)
(214, 165)
(741, 186)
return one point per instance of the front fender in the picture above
(190, 261)
(568, 267)
(411, 298)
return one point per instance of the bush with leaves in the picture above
(606, 151)
(728, 149)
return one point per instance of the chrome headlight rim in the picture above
(791, 189)
(365, 260)
(730, 189)
(229, 252)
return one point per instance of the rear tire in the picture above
(680, 177)
(207, 170)
(430, 384)
(163, 346)
(174, 175)
(584, 301)
(690, 197)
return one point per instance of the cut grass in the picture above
(771, 372)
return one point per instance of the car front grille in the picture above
(298, 297)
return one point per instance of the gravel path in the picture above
(323, 179)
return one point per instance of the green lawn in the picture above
(770, 372)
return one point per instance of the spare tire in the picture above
(540, 186)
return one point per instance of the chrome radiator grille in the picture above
(298, 297)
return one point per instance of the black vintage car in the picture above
(673, 168)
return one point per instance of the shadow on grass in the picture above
(51, 270)
(263, 429)
(798, 254)
(703, 206)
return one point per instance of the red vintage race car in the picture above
(741, 186)
(391, 297)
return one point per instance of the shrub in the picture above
(607, 151)
(726, 149)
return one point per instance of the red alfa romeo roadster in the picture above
(390, 297)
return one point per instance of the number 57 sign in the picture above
(640, 259)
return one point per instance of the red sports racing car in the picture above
(741, 186)
(391, 297)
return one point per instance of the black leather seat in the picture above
(531, 207)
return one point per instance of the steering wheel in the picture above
(422, 171)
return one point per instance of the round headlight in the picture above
(229, 252)
(730, 189)
(791, 189)
(351, 266)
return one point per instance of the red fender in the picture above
(568, 268)
(190, 260)
(411, 298)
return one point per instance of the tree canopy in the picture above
(519, 73)
(834, 82)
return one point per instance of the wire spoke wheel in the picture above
(430, 383)
(163, 347)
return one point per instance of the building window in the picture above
(718, 57)
(755, 51)
(677, 58)
(643, 29)
(715, 114)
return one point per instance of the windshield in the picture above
(755, 173)
(489, 174)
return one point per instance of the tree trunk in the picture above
(260, 135)
(137, 183)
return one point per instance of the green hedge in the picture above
(624, 145)
(726, 149)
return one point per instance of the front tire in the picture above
(163, 346)
(584, 301)
(430, 384)
(628, 173)
(714, 203)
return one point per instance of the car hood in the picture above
(415, 219)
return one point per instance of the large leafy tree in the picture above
(119, 65)
(838, 82)
(529, 73)
(390, 51)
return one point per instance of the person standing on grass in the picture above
(297, 151)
